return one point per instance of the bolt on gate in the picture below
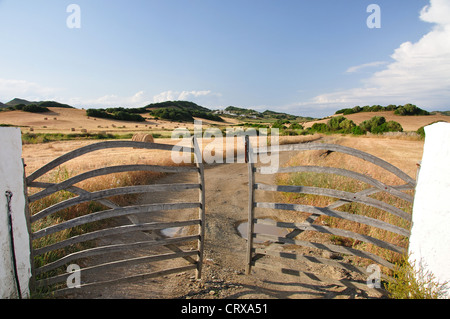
(67, 251)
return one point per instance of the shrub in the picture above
(411, 282)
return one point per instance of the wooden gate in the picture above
(330, 243)
(54, 274)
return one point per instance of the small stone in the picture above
(212, 292)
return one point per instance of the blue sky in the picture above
(302, 57)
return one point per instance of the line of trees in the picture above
(404, 110)
(340, 124)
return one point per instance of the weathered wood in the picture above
(110, 193)
(116, 212)
(314, 278)
(120, 263)
(202, 208)
(351, 197)
(334, 231)
(114, 231)
(105, 171)
(276, 252)
(342, 172)
(95, 147)
(346, 150)
(251, 198)
(338, 214)
(327, 247)
(112, 249)
(134, 278)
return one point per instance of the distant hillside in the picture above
(15, 102)
(181, 111)
(3, 105)
(246, 114)
(18, 101)
(447, 113)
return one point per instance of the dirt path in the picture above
(225, 251)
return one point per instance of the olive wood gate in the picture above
(44, 276)
(278, 248)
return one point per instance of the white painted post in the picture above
(11, 182)
(429, 246)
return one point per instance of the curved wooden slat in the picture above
(114, 231)
(346, 150)
(110, 193)
(338, 171)
(112, 249)
(352, 197)
(327, 247)
(139, 277)
(120, 263)
(105, 171)
(338, 214)
(337, 232)
(122, 211)
(95, 147)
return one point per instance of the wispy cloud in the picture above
(357, 68)
(419, 73)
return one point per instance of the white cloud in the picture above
(111, 100)
(10, 89)
(419, 73)
(357, 68)
(178, 96)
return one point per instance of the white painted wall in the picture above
(430, 235)
(11, 178)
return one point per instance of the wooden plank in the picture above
(346, 150)
(95, 147)
(316, 278)
(134, 278)
(338, 171)
(351, 197)
(113, 231)
(108, 170)
(202, 208)
(110, 193)
(337, 214)
(119, 263)
(334, 231)
(277, 253)
(327, 247)
(251, 199)
(112, 249)
(116, 212)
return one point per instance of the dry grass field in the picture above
(409, 123)
(67, 121)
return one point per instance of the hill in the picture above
(266, 116)
(3, 105)
(18, 101)
(44, 104)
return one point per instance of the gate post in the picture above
(15, 264)
(430, 237)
